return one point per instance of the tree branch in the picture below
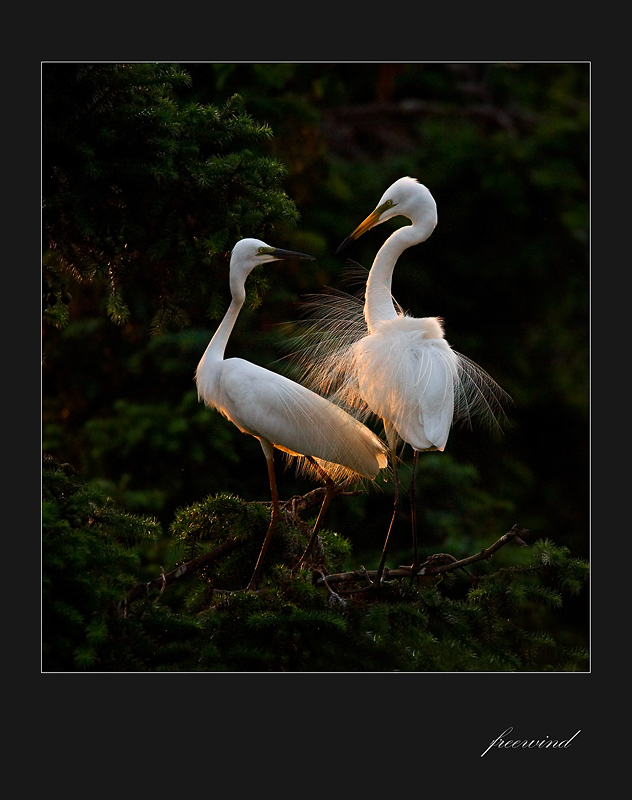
(294, 506)
(441, 562)
(184, 569)
(300, 502)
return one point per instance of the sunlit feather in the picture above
(279, 412)
(370, 356)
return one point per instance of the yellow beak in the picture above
(363, 227)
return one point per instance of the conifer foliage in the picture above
(107, 609)
(142, 188)
(92, 555)
(145, 190)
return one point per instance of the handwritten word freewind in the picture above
(502, 743)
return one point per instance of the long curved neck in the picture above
(209, 369)
(217, 346)
(378, 305)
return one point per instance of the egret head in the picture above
(249, 253)
(406, 197)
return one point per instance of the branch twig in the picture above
(434, 565)
(300, 502)
(194, 564)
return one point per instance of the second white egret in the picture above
(398, 367)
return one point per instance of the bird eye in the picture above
(262, 251)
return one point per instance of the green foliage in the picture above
(143, 189)
(94, 555)
(151, 172)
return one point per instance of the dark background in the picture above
(511, 250)
(504, 148)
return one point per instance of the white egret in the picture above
(279, 412)
(398, 367)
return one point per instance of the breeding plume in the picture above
(280, 413)
(398, 367)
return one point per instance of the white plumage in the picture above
(280, 413)
(384, 362)
(405, 372)
(293, 419)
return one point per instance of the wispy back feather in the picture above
(323, 357)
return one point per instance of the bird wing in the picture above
(408, 379)
(326, 355)
(295, 419)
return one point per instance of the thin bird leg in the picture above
(331, 490)
(380, 569)
(276, 513)
(412, 494)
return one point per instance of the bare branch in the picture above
(299, 502)
(515, 535)
(441, 562)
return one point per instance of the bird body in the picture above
(280, 413)
(395, 366)
(405, 368)
(290, 417)
(401, 366)
(406, 371)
